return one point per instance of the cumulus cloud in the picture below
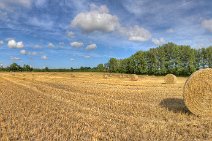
(76, 44)
(70, 34)
(135, 33)
(44, 57)
(20, 45)
(91, 47)
(97, 19)
(207, 24)
(100, 19)
(24, 52)
(159, 41)
(13, 44)
(51, 45)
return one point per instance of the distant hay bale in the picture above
(127, 76)
(197, 92)
(121, 76)
(110, 75)
(72, 75)
(134, 77)
(170, 79)
(105, 76)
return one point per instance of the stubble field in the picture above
(85, 106)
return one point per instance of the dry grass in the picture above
(60, 107)
(198, 92)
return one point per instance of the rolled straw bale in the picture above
(72, 75)
(134, 77)
(197, 92)
(105, 76)
(110, 75)
(170, 79)
(121, 76)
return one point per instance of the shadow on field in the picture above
(175, 105)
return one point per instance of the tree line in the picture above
(168, 58)
(14, 67)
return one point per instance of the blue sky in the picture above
(74, 33)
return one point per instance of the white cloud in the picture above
(170, 30)
(20, 45)
(207, 24)
(72, 59)
(91, 47)
(98, 19)
(51, 45)
(61, 44)
(32, 53)
(37, 46)
(159, 41)
(1, 43)
(15, 58)
(135, 33)
(44, 22)
(76, 44)
(4, 4)
(87, 56)
(44, 57)
(12, 44)
(24, 52)
(70, 34)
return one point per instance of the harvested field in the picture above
(57, 106)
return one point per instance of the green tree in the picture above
(15, 67)
(113, 65)
(27, 68)
(100, 67)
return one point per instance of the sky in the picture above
(74, 33)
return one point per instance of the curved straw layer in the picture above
(197, 93)
(170, 79)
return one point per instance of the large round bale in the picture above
(170, 79)
(134, 77)
(197, 93)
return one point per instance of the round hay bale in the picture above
(121, 76)
(105, 76)
(72, 75)
(110, 75)
(197, 93)
(134, 77)
(170, 79)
